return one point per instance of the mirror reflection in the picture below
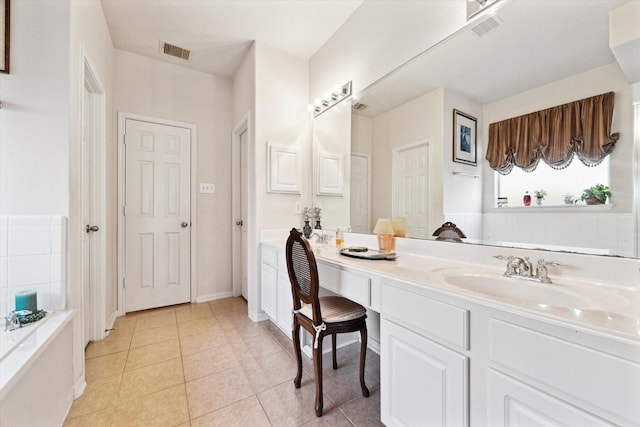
(505, 63)
(332, 164)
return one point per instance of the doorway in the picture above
(92, 206)
(411, 187)
(240, 191)
(157, 221)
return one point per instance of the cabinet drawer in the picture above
(602, 380)
(427, 316)
(347, 284)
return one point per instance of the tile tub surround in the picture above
(33, 257)
(209, 364)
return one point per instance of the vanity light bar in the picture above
(337, 95)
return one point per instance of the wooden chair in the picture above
(320, 316)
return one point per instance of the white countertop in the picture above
(595, 307)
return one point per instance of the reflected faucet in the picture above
(316, 236)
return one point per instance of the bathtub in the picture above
(36, 371)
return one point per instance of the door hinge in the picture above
(124, 211)
(124, 282)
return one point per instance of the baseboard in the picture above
(259, 316)
(79, 387)
(212, 297)
(111, 321)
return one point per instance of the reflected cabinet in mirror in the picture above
(537, 55)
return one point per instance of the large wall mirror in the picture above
(332, 164)
(515, 58)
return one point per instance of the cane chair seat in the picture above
(335, 309)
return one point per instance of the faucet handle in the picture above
(542, 262)
(541, 270)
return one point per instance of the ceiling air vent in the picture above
(358, 106)
(175, 51)
(489, 24)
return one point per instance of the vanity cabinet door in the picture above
(512, 403)
(422, 382)
(269, 289)
(285, 302)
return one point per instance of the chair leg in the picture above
(363, 357)
(333, 351)
(317, 365)
(296, 347)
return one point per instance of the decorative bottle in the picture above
(526, 200)
(306, 230)
(339, 240)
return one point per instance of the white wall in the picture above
(34, 120)
(281, 116)
(462, 194)
(152, 88)
(361, 134)
(417, 121)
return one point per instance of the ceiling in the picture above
(220, 32)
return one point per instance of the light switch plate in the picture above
(207, 188)
(297, 209)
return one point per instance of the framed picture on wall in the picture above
(4, 36)
(465, 142)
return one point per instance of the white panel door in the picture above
(88, 200)
(360, 194)
(157, 215)
(411, 189)
(244, 204)
(421, 382)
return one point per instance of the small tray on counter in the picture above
(366, 253)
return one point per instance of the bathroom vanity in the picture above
(460, 344)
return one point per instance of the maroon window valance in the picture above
(581, 128)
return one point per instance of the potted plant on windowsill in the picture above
(596, 195)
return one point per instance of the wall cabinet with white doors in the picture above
(275, 290)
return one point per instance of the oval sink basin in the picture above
(519, 290)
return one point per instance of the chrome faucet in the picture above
(12, 321)
(317, 236)
(523, 268)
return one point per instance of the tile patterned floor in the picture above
(208, 364)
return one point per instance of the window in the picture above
(571, 180)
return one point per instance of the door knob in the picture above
(240, 223)
(184, 224)
(90, 228)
